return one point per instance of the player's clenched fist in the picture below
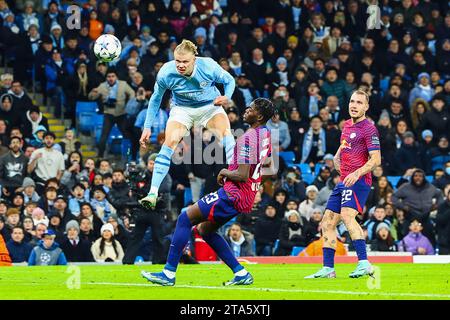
(145, 136)
(221, 178)
(221, 101)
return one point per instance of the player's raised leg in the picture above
(328, 227)
(220, 127)
(175, 131)
(348, 216)
(208, 230)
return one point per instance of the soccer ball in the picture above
(107, 48)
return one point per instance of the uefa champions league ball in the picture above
(107, 48)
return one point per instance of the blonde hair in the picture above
(187, 46)
(361, 91)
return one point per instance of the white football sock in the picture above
(169, 274)
(241, 273)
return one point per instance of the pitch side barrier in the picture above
(374, 257)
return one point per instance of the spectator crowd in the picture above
(308, 56)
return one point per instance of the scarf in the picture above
(426, 92)
(283, 78)
(307, 143)
(83, 84)
(15, 95)
(294, 229)
(313, 106)
(236, 245)
(259, 63)
(296, 12)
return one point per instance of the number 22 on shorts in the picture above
(346, 196)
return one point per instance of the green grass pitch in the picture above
(204, 282)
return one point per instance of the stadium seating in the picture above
(304, 167)
(296, 250)
(308, 177)
(85, 106)
(187, 196)
(318, 167)
(275, 246)
(288, 157)
(87, 116)
(394, 180)
(438, 162)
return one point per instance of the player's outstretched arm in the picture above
(224, 77)
(240, 175)
(152, 110)
(373, 162)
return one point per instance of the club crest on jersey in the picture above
(346, 145)
(352, 135)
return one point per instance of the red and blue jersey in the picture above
(358, 140)
(253, 147)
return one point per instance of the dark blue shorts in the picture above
(353, 197)
(217, 207)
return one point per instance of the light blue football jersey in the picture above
(195, 91)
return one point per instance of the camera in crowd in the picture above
(110, 103)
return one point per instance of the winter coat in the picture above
(443, 225)
(81, 252)
(291, 235)
(124, 93)
(19, 252)
(437, 122)
(108, 252)
(29, 127)
(42, 256)
(417, 200)
(408, 156)
(13, 170)
(118, 195)
(413, 241)
(337, 89)
(267, 230)
(242, 247)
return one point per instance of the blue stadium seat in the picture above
(394, 180)
(308, 177)
(85, 106)
(384, 84)
(88, 121)
(304, 167)
(318, 167)
(187, 196)
(115, 140)
(429, 178)
(288, 157)
(296, 250)
(275, 246)
(438, 162)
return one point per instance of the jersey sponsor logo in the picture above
(375, 140)
(352, 135)
(245, 151)
(345, 144)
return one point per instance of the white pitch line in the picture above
(389, 294)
